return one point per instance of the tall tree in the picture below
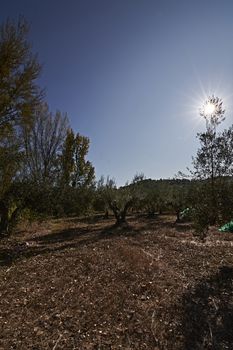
(43, 143)
(19, 69)
(213, 165)
(208, 162)
(19, 96)
(76, 170)
(67, 161)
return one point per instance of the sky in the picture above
(132, 75)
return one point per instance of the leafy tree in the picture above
(213, 170)
(150, 202)
(225, 199)
(66, 160)
(19, 69)
(19, 97)
(120, 204)
(9, 149)
(215, 153)
(100, 202)
(201, 213)
(76, 170)
(179, 199)
(75, 193)
(213, 165)
(83, 173)
(162, 196)
(62, 181)
(120, 200)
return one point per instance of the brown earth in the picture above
(85, 284)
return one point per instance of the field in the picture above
(83, 283)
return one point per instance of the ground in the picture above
(84, 284)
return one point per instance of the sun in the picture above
(213, 112)
(209, 108)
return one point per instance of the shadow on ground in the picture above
(169, 223)
(64, 239)
(79, 236)
(93, 219)
(208, 313)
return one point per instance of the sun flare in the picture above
(209, 108)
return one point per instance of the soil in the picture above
(83, 283)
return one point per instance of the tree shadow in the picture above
(65, 235)
(91, 233)
(207, 311)
(158, 222)
(64, 239)
(183, 226)
(92, 219)
(5, 257)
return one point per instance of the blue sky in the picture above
(131, 74)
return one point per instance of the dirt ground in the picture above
(85, 284)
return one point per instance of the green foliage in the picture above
(150, 202)
(28, 216)
(118, 200)
(19, 69)
(186, 214)
(76, 170)
(213, 164)
(10, 161)
(204, 211)
(215, 156)
(201, 211)
(73, 201)
(19, 96)
(213, 167)
(179, 198)
(67, 162)
(224, 199)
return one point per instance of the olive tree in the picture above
(120, 200)
(212, 166)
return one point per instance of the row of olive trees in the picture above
(159, 197)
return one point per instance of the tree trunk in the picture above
(106, 214)
(7, 221)
(120, 215)
(177, 215)
(213, 217)
(4, 223)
